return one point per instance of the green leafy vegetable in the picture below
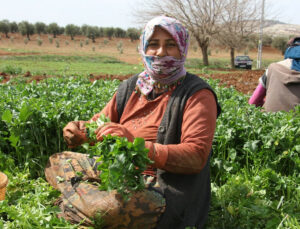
(121, 161)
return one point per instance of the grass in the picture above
(66, 65)
(14, 50)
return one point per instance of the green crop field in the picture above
(255, 164)
(66, 65)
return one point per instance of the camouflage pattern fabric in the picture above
(82, 202)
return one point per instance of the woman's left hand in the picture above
(113, 129)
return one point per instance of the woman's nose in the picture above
(161, 51)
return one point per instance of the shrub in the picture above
(57, 43)
(26, 41)
(251, 46)
(87, 41)
(81, 44)
(280, 43)
(50, 39)
(105, 41)
(267, 40)
(120, 47)
(13, 70)
(67, 42)
(39, 41)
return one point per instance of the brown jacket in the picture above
(283, 88)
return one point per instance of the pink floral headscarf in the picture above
(170, 67)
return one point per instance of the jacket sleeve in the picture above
(259, 93)
(258, 96)
(198, 127)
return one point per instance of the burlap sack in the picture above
(81, 199)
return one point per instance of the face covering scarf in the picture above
(164, 70)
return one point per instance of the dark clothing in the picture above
(187, 196)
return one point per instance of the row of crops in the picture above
(255, 164)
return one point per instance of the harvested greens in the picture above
(121, 161)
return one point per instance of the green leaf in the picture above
(121, 158)
(7, 116)
(24, 112)
(139, 144)
(14, 140)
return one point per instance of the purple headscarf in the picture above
(170, 67)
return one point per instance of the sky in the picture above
(109, 13)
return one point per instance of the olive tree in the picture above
(92, 32)
(26, 28)
(40, 27)
(109, 32)
(133, 34)
(120, 33)
(72, 30)
(54, 29)
(83, 29)
(4, 27)
(13, 27)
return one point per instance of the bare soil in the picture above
(243, 81)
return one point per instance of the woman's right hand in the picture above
(74, 133)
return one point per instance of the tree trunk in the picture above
(232, 57)
(6, 35)
(28, 37)
(72, 37)
(54, 35)
(204, 48)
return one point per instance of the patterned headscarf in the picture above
(168, 66)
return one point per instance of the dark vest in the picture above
(187, 196)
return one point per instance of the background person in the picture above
(279, 87)
(175, 112)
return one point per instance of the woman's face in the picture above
(162, 44)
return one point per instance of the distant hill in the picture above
(277, 28)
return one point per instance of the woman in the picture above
(279, 86)
(175, 112)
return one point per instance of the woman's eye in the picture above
(171, 45)
(152, 44)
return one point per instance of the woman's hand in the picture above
(74, 133)
(113, 129)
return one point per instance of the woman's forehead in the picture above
(160, 33)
